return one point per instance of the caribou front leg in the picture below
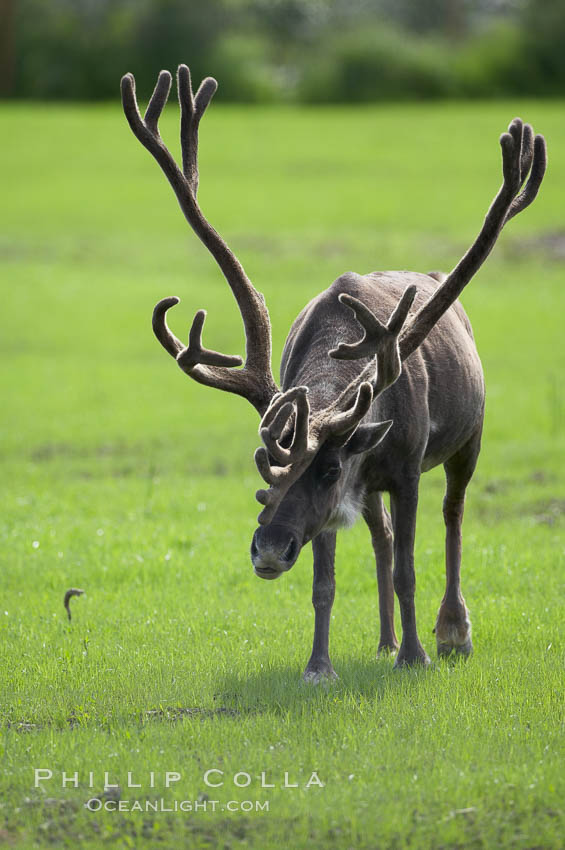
(404, 503)
(323, 591)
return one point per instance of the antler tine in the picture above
(268, 498)
(349, 419)
(517, 160)
(264, 497)
(157, 102)
(271, 434)
(279, 484)
(301, 427)
(278, 401)
(204, 95)
(272, 425)
(294, 460)
(374, 332)
(280, 455)
(188, 128)
(511, 144)
(195, 353)
(538, 168)
(280, 420)
(270, 474)
(379, 340)
(192, 109)
(146, 129)
(527, 154)
(400, 312)
(161, 329)
(255, 381)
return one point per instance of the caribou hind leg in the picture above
(378, 519)
(453, 626)
(319, 666)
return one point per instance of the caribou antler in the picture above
(378, 339)
(255, 381)
(340, 419)
(522, 154)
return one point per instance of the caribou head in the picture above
(308, 458)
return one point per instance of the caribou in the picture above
(354, 417)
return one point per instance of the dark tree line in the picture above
(305, 50)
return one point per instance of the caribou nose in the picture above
(273, 551)
(291, 551)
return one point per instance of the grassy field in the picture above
(123, 477)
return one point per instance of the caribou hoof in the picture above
(413, 659)
(458, 650)
(453, 636)
(324, 676)
(387, 649)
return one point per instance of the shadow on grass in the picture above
(282, 689)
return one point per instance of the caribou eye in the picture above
(331, 473)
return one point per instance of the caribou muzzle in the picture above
(274, 550)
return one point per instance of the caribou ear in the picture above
(366, 437)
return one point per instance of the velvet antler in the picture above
(255, 381)
(522, 154)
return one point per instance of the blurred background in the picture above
(309, 51)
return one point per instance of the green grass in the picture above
(123, 477)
